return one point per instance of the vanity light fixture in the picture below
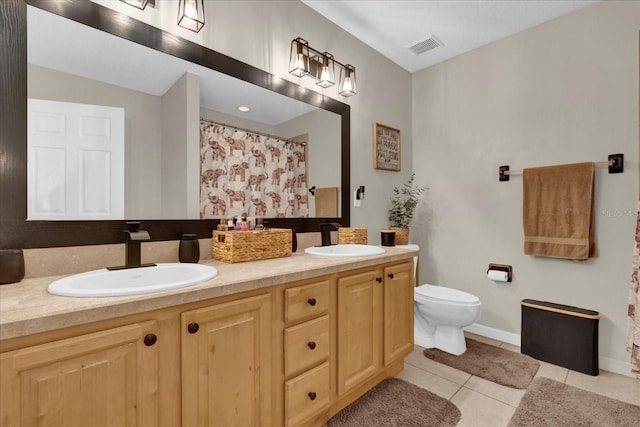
(326, 72)
(140, 4)
(347, 81)
(191, 14)
(299, 57)
(305, 60)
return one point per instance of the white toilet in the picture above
(440, 314)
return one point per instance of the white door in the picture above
(75, 167)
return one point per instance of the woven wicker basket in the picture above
(240, 246)
(350, 235)
(402, 235)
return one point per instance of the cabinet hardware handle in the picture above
(390, 275)
(150, 339)
(311, 345)
(312, 395)
(193, 327)
(311, 301)
(379, 279)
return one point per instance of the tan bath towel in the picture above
(557, 211)
(326, 202)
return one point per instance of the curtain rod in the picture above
(252, 131)
(615, 164)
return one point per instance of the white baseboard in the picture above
(616, 366)
(496, 334)
(604, 363)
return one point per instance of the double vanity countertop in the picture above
(27, 308)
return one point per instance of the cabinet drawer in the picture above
(306, 345)
(306, 395)
(306, 301)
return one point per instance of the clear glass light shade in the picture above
(347, 85)
(299, 57)
(326, 71)
(140, 4)
(191, 14)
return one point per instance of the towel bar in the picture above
(615, 164)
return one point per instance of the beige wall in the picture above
(180, 163)
(563, 92)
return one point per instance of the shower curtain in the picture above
(248, 174)
(633, 323)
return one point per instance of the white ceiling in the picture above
(392, 26)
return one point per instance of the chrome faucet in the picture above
(325, 231)
(134, 238)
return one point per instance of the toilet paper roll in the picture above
(498, 275)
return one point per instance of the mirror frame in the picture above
(15, 231)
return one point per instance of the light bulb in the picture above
(348, 82)
(324, 75)
(190, 9)
(346, 87)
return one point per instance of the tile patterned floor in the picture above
(484, 403)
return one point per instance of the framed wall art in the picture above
(386, 148)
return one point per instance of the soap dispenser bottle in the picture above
(189, 250)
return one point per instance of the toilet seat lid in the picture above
(446, 294)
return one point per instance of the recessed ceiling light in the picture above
(243, 108)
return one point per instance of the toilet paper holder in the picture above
(501, 267)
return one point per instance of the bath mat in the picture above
(397, 403)
(486, 361)
(551, 403)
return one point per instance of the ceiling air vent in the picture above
(429, 43)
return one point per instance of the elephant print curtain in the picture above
(633, 323)
(247, 174)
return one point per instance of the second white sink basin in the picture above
(132, 281)
(345, 250)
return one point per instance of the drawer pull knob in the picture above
(193, 327)
(312, 395)
(311, 345)
(311, 301)
(390, 275)
(150, 339)
(379, 279)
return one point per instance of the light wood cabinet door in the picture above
(226, 356)
(107, 378)
(359, 328)
(398, 312)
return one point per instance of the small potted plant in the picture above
(403, 205)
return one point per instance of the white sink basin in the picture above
(345, 250)
(132, 281)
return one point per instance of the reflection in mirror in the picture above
(163, 99)
(17, 232)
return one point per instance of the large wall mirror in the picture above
(71, 74)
